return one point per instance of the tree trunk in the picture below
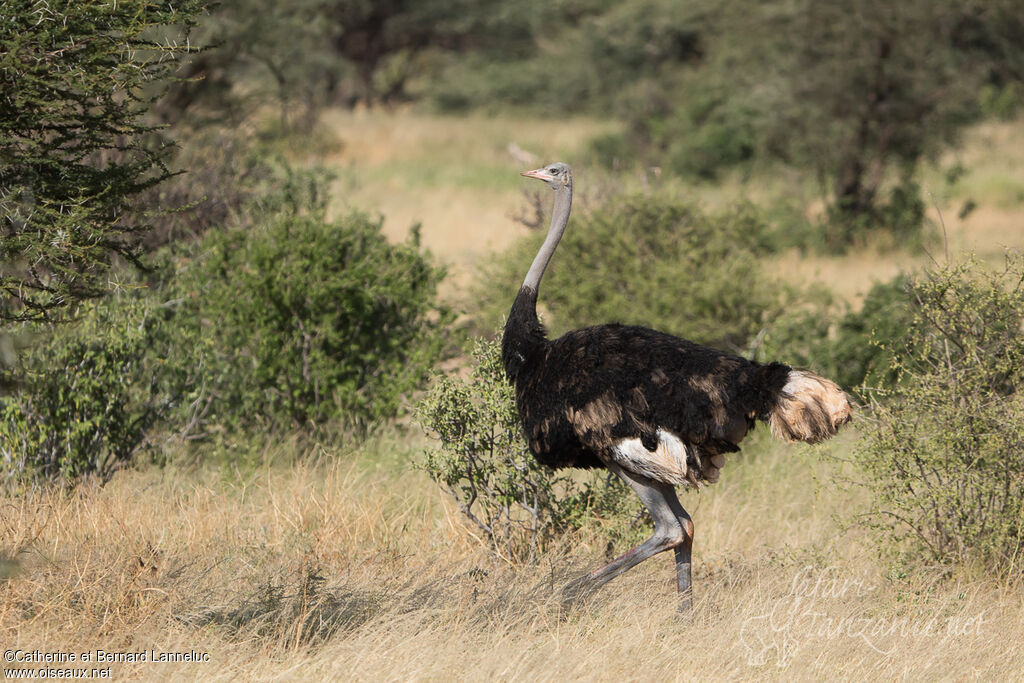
(859, 170)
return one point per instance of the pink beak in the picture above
(539, 174)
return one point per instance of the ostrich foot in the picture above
(684, 578)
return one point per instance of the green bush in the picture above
(590, 56)
(944, 450)
(613, 151)
(651, 260)
(867, 340)
(899, 213)
(284, 321)
(708, 133)
(854, 348)
(82, 406)
(1002, 102)
(483, 463)
(299, 321)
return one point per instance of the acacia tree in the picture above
(873, 87)
(379, 37)
(857, 93)
(76, 80)
(345, 52)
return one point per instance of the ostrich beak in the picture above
(539, 174)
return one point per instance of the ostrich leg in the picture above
(684, 580)
(669, 532)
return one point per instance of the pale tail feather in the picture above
(810, 408)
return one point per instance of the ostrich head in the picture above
(556, 175)
(559, 178)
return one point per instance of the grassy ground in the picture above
(349, 566)
(335, 562)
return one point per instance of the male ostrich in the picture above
(656, 410)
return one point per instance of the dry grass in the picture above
(339, 568)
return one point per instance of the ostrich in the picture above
(657, 410)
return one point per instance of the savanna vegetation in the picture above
(252, 261)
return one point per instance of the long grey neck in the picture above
(559, 219)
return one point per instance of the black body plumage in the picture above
(580, 394)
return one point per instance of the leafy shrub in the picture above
(226, 174)
(79, 410)
(866, 341)
(901, 214)
(851, 347)
(709, 132)
(590, 56)
(613, 150)
(484, 464)
(299, 320)
(285, 320)
(705, 134)
(944, 449)
(651, 260)
(1002, 102)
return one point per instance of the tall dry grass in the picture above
(350, 565)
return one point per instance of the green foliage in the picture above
(280, 54)
(944, 450)
(314, 52)
(866, 341)
(589, 55)
(484, 464)
(860, 92)
(901, 215)
(299, 321)
(74, 149)
(614, 151)
(713, 135)
(86, 396)
(1002, 102)
(854, 348)
(285, 320)
(854, 95)
(225, 175)
(652, 260)
(698, 136)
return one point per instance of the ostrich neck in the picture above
(524, 335)
(559, 219)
